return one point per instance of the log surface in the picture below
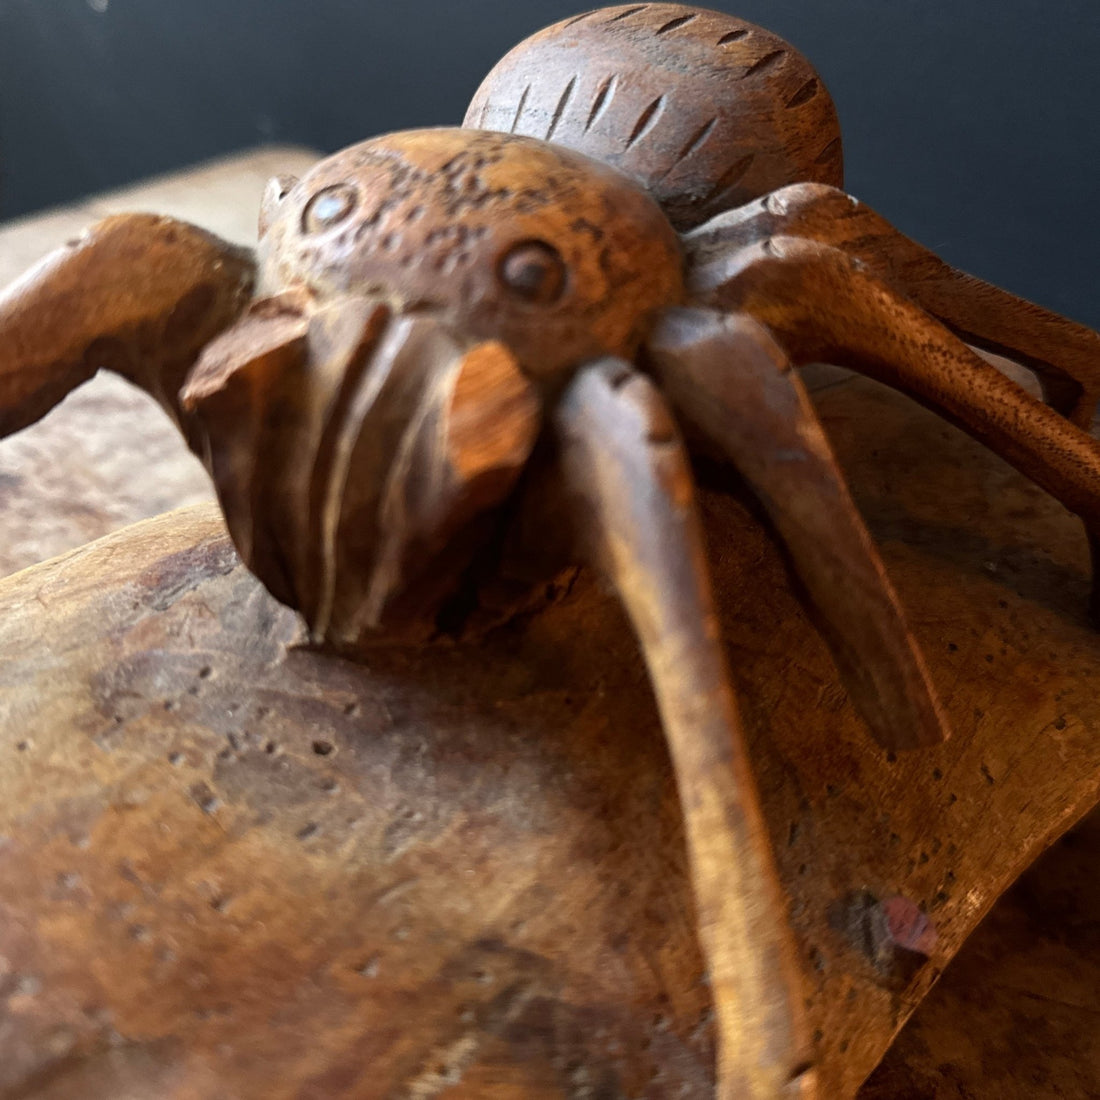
(1015, 1016)
(460, 871)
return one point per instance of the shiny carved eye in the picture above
(534, 271)
(329, 207)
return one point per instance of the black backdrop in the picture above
(974, 124)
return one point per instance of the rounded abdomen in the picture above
(704, 110)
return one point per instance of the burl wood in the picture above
(460, 364)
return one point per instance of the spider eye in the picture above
(329, 207)
(534, 271)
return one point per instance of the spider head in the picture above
(420, 296)
(557, 256)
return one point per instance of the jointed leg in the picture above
(626, 469)
(1064, 355)
(137, 294)
(734, 384)
(823, 305)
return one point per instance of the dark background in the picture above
(974, 125)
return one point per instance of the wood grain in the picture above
(109, 456)
(1014, 1017)
(1064, 355)
(625, 85)
(364, 468)
(738, 390)
(138, 294)
(824, 304)
(628, 470)
(518, 795)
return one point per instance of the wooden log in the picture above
(1014, 1017)
(231, 863)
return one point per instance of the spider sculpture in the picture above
(463, 355)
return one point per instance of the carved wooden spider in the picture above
(458, 345)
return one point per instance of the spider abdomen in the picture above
(705, 110)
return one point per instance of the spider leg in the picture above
(137, 294)
(627, 472)
(736, 386)
(1063, 354)
(825, 305)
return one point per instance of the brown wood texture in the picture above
(461, 872)
(705, 110)
(445, 221)
(1064, 355)
(371, 480)
(1014, 1017)
(823, 304)
(138, 294)
(108, 456)
(617, 431)
(735, 385)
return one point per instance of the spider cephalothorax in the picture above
(501, 238)
(421, 294)
(639, 228)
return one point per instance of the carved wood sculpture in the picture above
(461, 364)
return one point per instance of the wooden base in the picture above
(1015, 1016)
(230, 861)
